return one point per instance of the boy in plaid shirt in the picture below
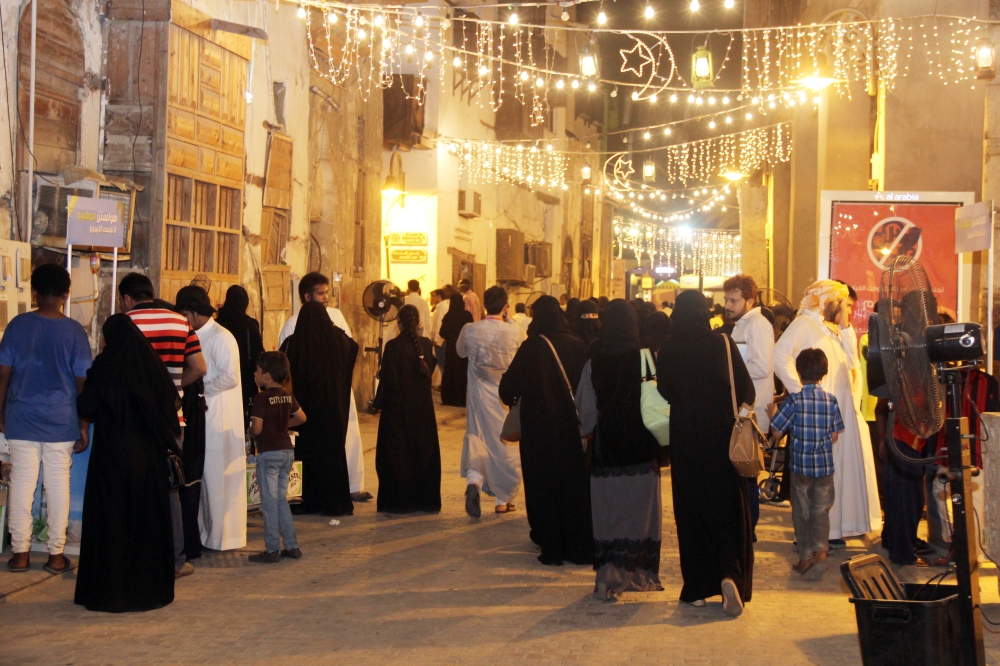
(813, 417)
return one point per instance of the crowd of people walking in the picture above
(555, 397)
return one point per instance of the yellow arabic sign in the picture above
(408, 238)
(408, 256)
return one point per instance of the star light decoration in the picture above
(683, 250)
(488, 163)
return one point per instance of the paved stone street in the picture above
(442, 589)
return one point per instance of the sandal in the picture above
(17, 568)
(504, 508)
(66, 566)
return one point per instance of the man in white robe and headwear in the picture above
(316, 287)
(489, 464)
(223, 515)
(824, 323)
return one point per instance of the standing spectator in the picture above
(274, 411)
(824, 323)
(470, 299)
(754, 336)
(813, 417)
(322, 357)
(223, 517)
(408, 457)
(44, 358)
(711, 506)
(658, 327)
(454, 378)
(233, 317)
(572, 306)
(316, 287)
(625, 473)
(439, 305)
(413, 298)
(127, 550)
(588, 325)
(489, 465)
(556, 482)
(521, 317)
(180, 350)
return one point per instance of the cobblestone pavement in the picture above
(443, 589)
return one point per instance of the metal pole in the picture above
(31, 122)
(963, 538)
(114, 279)
(69, 269)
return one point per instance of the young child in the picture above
(274, 411)
(813, 417)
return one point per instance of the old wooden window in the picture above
(277, 199)
(202, 227)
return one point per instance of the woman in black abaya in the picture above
(625, 472)
(455, 381)
(233, 317)
(127, 552)
(407, 456)
(711, 506)
(587, 325)
(556, 483)
(321, 358)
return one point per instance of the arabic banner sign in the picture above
(95, 222)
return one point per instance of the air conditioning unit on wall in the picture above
(470, 203)
(540, 256)
(510, 254)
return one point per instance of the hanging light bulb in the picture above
(591, 86)
(695, 5)
(331, 18)
(729, 4)
(457, 62)
(512, 19)
(602, 18)
(667, 131)
(702, 73)
(614, 92)
(986, 60)
(588, 62)
(378, 21)
(539, 82)
(524, 76)
(301, 13)
(560, 84)
(649, 13)
(564, 16)
(429, 56)
(419, 21)
(361, 33)
(649, 169)
(585, 173)
(575, 84)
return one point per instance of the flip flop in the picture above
(10, 565)
(504, 508)
(67, 565)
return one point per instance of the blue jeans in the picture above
(273, 468)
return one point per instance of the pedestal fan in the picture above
(381, 300)
(909, 357)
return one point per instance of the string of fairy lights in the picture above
(679, 250)
(369, 44)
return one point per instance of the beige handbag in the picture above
(511, 431)
(746, 444)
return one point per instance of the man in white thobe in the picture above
(489, 464)
(414, 298)
(316, 287)
(754, 336)
(824, 323)
(223, 515)
(521, 318)
(439, 307)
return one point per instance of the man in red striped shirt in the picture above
(170, 334)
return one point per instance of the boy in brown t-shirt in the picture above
(274, 411)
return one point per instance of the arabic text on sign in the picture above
(408, 256)
(408, 238)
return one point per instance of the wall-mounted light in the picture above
(702, 72)
(585, 173)
(733, 175)
(649, 169)
(822, 76)
(395, 182)
(588, 62)
(986, 60)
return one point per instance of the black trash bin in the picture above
(902, 624)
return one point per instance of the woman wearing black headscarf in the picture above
(556, 483)
(455, 381)
(127, 552)
(658, 327)
(624, 472)
(233, 317)
(711, 506)
(572, 305)
(321, 358)
(407, 456)
(587, 325)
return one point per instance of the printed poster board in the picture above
(861, 232)
(253, 489)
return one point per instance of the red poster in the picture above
(865, 236)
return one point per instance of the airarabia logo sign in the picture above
(894, 237)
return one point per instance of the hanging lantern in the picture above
(649, 170)
(585, 173)
(702, 72)
(588, 62)
(986, 60)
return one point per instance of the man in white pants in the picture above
(44, 357)
(316, 287)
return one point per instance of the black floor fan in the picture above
(909, 357)
(381, 300)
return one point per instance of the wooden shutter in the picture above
(278, 173)
(277, 287)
